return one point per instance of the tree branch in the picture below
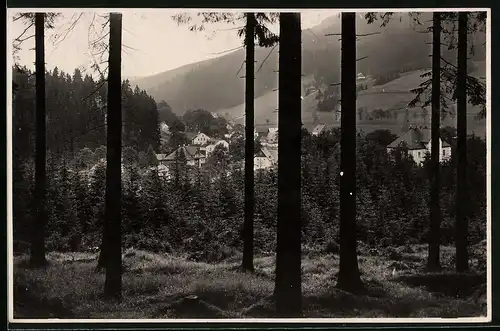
(241, 67)
(451, 64)
(367, 34)
(58, 39)
(268, 55)
(101, 84)
(229, 50)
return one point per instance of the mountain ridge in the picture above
(216, 84)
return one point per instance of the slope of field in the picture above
(216, 84)
(392, 95)
(266, 108)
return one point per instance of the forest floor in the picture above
(166, 286)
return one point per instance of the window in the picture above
(419, 154)
(444, 152)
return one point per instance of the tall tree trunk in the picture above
(433, 262)
(288, 253)
(247, 263)
(101, 262)
(37, 252)
(462, 259)
(349, 277)
(113, 283)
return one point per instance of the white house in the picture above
(210, 148)
(318, 129)
(164, 127)
(200, 139)
(418, 142)
(164, 171)
(194, 156)
(162, 159)
(265, 158)
(272, 136)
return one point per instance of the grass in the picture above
(160, 286)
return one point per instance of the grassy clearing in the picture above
(159, 286)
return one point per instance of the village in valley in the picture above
(200, 146)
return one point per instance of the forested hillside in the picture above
(76, 114)
(214, 84)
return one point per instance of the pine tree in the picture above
(348, 277)
(37, 253)
(247, 261)
(462, 259)
(113, 262)
(433, 262)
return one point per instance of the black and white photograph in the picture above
(249, 165)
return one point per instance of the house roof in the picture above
(190, 135)
(191, 153)
(161, 157)
(216, 141)
(318, 128)
(261, 130)
(270, 153)
(415, 138)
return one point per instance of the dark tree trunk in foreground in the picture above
(462, 259)
(37, 252)
(288, 254)
(348, 277)
(247, 263)
(113, 283)
(101, 262)
(433, 262)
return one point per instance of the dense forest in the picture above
(76, 114)
(189, 213)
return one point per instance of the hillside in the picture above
(214, 84)
(392, 95)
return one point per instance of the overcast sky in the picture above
(152, 41)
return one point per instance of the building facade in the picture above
(418, 142)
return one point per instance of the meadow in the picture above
(170, 286)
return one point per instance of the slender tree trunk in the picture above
(101, 262)
(462, 259)
(349, 277)
(288, 258)
(247, 263)
(433, 262)
(113, 283)
(37, 252)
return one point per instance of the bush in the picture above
(152, 245)
(332, 247)
(213, 253)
